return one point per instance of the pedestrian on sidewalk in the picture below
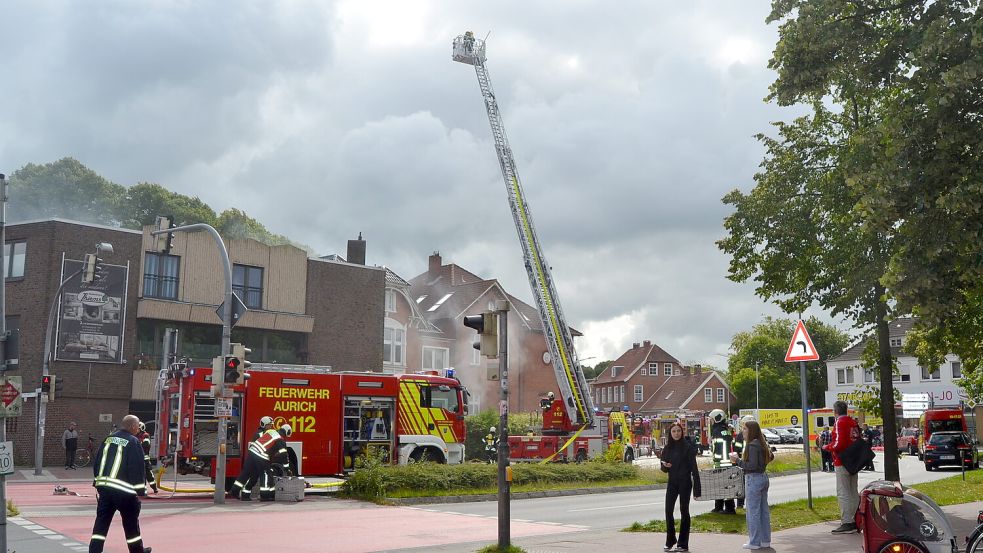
(70, 442)
(821, 442)
(868, 436)
(754, 461)
(679, 460)
(845, 432)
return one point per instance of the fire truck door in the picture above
(368, 428)
(438, 405)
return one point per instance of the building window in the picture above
(903, 377)
(247, 281)
(639, 392)
(708, 395)
(604, 395)
(16, 252)
(654, 369)
(645, 371)
(932, 373)
(720, 395)
(896, 342)
(870, 375)
(160, 275)
(667, 369)
(390, 300)
(621, 392)
(844, 376)
(957, 369)
(434, 359)
(393, 345)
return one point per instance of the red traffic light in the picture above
(232, 363)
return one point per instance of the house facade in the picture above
(650, 381)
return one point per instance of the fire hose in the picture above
(160, 472)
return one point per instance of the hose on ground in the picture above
(160, 472)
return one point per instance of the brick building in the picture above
(650, 381)
(300, 310)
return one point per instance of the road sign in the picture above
(6, 458)
(223, 407)
(801, 347)
(11, 398)
(238, 310)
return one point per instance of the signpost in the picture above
(802, 349)
(913, 405)
(11, 399)
(6, 458)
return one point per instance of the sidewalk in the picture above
(805, 539)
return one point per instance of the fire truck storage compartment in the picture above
(205, 440)
(368, 428)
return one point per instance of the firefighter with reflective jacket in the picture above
(265, 424)
(118, 469)
(278, 456)
(491, 445)
(144, 438)
(721, 440)
(269, 444)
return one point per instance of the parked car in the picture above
(787, 436)
(797, 430)
(950, 448)
(771, 436)
(908, 441)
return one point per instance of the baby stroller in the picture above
(895, 519)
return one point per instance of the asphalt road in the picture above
(618, 510)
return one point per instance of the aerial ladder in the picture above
(575, 409)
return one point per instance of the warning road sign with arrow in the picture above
(801, 348)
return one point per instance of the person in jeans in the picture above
(845, 432)
(822, 441)
(679, 460)
(755, 458)
(70, 442)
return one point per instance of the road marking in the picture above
(612, 507)
(50, 534)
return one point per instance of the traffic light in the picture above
(92, 269)
(486, 325)
(57, 385)
(163, 241)
(235, 365)
(218, 372)
(46, 384)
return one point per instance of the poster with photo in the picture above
(91, 316)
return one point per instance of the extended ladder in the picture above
(570, 377)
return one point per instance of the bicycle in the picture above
(974, 543)
(83, 455)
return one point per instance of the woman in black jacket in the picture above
(679, 460)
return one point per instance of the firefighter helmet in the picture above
(746, 419)
(286, 430)
(266, 421)
(491, 430)
(143, 427)
(717, 416)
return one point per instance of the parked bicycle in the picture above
(83, 455)
(974, 543)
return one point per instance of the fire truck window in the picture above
(443, 397)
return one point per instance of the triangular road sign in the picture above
(801, 347)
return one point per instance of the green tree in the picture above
(591, 373)
(64, 188)
(145, 201)
(765, 346)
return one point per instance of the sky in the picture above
(629, 121)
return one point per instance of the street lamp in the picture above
(757, 396)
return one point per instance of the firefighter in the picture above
(721, 439)
(144, 438)
(257, 462)
(265, 424)
(279, 456)
(491, 448)
(546, 402)
(118, 469)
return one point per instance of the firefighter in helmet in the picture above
(270, 444)
(280, 457)
(491, 449)
(144, 438)
(265, 424)
(721, 441)
(546, 402)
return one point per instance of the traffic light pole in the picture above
(223, 423)
(3, 350)
(504, 471)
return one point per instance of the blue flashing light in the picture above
(450, 373)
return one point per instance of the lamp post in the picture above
(757, 396)
(42, 401)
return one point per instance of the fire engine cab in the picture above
(337, 417)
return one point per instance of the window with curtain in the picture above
(161, 274)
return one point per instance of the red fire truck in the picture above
(336, 417)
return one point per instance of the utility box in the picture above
(290, 489)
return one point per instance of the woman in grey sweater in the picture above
(755, 459)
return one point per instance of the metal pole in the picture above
(757, 396)
(805, 430)
(504, 471)
(220, 392)
(3, 347)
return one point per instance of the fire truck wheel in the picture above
(902, 546)
(629, 456)
(581, 456)
(426, 454)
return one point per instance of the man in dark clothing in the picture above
(70, 442)
(821, 442)
(118, 469)
(868, 435)
(257, 465)
(145, 442)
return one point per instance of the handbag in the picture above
(856, 456)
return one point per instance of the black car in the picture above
(950, 448)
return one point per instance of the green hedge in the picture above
(375, 480)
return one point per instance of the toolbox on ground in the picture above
(290, 488)
(722, 483)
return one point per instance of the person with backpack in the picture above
(754, 460)
(679, 460)
(845, 433)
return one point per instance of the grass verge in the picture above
(948, 491)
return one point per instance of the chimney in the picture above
(356, 251)
(635, 345)
(697, 369)
(647, 343)
(435, 263)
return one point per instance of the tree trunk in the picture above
(886, 366)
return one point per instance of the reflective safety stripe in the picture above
(121, 485)
(133, 540)
(237, 484)
(98, 537)
(258, 450)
